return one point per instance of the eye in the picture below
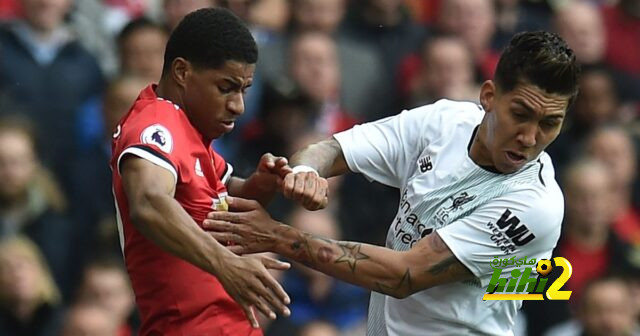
(519, 115)
(551, 123)
(224, 90)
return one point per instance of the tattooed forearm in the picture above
(325, 156)
(351, 255)
(400, 289)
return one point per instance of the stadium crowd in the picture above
(69, 70)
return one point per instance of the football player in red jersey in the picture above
(166, 178)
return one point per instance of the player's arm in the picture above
(159, 217)
(325, 157)
(303, 184)
(263, 184)
(397, 273)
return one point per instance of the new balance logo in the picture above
(199, 168)
(425, 164)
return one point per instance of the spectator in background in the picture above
(31, 203)
(44, 68)
(89, 320)
(106, 284)
(446, 72)
(596, 105)
(475, 22)
(587, 241)
(314, 67)
(317, 296)
(622, 25)
(581, 25)
(606, 309)
(319, 328)
(614, 148)
(360, 65)
(29, 298)
(175, 10)
(387, 27)
(513, 16)
(95, 221)
(141, 45)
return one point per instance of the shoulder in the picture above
(445, 118)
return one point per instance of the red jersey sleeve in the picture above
(154, 134)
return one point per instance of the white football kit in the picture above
(480, 214)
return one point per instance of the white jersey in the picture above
(479, 214)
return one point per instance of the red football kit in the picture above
(173, 296)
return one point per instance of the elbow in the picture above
(141, 211)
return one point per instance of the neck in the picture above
(23, 311)
(167, 91)
(622, 200)
(41, 33)
(12, 203)
(479, 153)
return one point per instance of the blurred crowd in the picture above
(70, 69)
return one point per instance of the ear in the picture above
(487, 95)
(180, 70)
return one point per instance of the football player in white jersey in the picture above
(475, 185)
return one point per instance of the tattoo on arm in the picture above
(404, 285)
(351, 254)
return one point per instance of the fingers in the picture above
(307, 188)
(219, 226)
(319, 199)
(275, 164)
(250, 315)
(261, 305)
(271, 263)
(241, 204)
(272, 284)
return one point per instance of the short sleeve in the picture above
(521, 224)
(223, 168)
(384, 149)
(156, 137)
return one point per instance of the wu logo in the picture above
(425, 164)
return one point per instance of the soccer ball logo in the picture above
(544, 267)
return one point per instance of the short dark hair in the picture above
(540, 58)
(136, 25)
(209, 37)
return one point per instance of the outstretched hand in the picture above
(248, 282)
(245, 228)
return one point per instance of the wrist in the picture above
(285, 237)
(218, 259)
(304, 169)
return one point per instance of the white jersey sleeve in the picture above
(525, 223)
(383, 150)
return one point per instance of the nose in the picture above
(527, 135)
(235, 104)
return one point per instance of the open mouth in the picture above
(516, 158)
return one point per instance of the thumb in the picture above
(274, 264)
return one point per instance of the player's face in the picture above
(214, 98)
(519, 124)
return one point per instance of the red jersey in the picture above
(173, 296)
